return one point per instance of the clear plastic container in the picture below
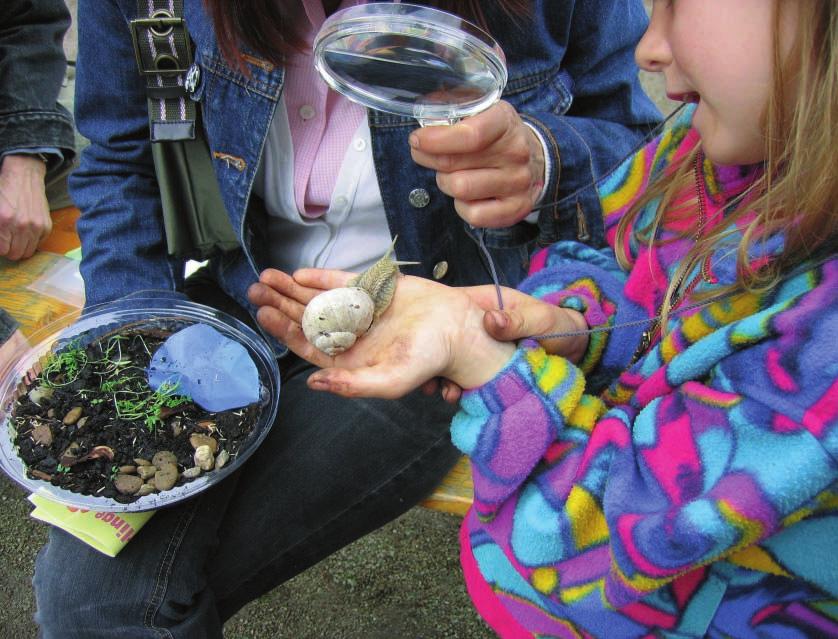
(136, 312)
(410, 60)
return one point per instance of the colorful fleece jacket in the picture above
(692, 493)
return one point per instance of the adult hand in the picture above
(429, 330)
(24, 210)
(491, 163)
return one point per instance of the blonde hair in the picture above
(797, 193)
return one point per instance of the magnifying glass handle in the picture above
(437, 122)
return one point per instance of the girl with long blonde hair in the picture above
(662, 459)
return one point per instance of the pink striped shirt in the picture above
(322, 122)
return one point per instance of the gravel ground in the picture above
(401, 581)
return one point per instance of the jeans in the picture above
(330, 471)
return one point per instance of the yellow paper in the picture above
(106, 532)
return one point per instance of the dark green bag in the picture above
(194, 216)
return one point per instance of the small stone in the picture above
(141, 462)
(192, 473)
(197, 440)
(98, 452)
(165, 477)
(177, 427)
(70, 455)
(146, 472)
(163, 457)
(42, 434)
(82, 422)
(146, 489)
(73, 415)
(39, 394)
(204, 458)
(207, 425)
(51, 413)
(221, 459)
(39, 474)
(128, 470)
(127, 484)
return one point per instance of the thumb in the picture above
(513, 325)
(506, 326)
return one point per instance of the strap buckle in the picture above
(161, 25)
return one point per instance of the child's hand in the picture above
(523, 316)
(429, 330)
(491, 163)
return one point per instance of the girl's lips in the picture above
(684, 97)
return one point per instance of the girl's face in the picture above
(719, 54)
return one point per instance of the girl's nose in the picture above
(652, 52)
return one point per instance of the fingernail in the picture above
(500, 318)
(315, 383)
(413, 141)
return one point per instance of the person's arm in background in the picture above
(588, 116)
(36, 133)
(121, 224)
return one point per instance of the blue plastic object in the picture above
(215, 371)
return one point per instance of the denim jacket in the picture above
(32, 65)
(571, 74)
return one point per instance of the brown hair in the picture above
(271, 27)
(797, 193)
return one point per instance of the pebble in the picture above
(73, 415)
(82, 422)
(204, 458)
(42, 434)
(127, 484)
(128, 470)
(146, 472)
(207, 425)
(70, 455)
(221, 459)
(165, 477)
(36, 395)
(141, 462)
(197, 440)
(192, 473)
(163, 457)
(146, 489)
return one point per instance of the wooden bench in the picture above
(456, 491)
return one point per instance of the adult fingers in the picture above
(322, 279)
(22, 245)
(381, 380)
(290, 333)
(470, 135)
(495, 213)
(262, 295)
(483, 183)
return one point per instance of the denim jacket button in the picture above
(419, 198)
(440, 269)
(193, 76)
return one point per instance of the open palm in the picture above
(428, 330)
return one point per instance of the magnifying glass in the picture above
(410, 60)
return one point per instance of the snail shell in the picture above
(333, 320)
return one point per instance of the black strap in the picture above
(164, 57)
